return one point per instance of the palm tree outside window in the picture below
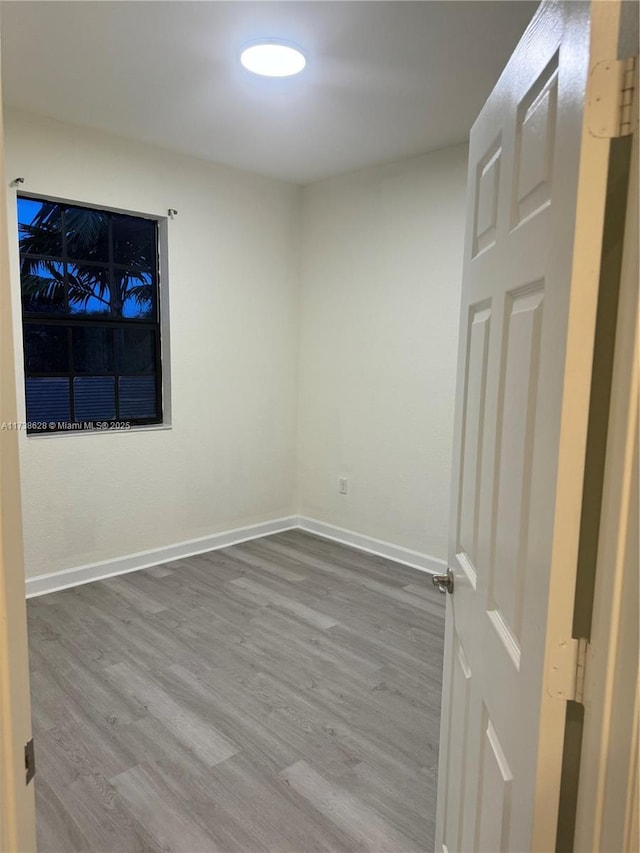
(90, 312)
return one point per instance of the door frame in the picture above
(607, 797)
(17, 798)
(606, 24)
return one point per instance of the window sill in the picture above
(66, 433)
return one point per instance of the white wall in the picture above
(229, 458)
(335, 341)
(381, 273)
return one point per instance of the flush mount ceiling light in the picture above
(273, 58)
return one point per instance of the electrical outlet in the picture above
(342, 485)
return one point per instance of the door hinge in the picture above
(612, 102)
(565, 678)
(30, 760)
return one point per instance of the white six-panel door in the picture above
(536, 195)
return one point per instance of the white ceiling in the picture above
(384, 80)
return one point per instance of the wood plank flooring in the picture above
(278, 696)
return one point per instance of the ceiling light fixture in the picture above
(273, 58)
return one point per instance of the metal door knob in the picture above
(444, 582)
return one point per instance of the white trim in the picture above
(144, 559)
(415, 559)
(66, 578)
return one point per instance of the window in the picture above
(90, 315)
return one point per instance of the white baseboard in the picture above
(66, 578)
(144, 559)
(415, 559)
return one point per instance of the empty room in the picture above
(318, 446)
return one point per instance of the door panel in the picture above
(515, 431)
(534, 227)
(535, 140)
(488, 180)
(460, 690)
(495, 804)
(471, 462)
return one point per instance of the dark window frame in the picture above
(70, 321)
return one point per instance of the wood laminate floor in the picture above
(278, 696)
